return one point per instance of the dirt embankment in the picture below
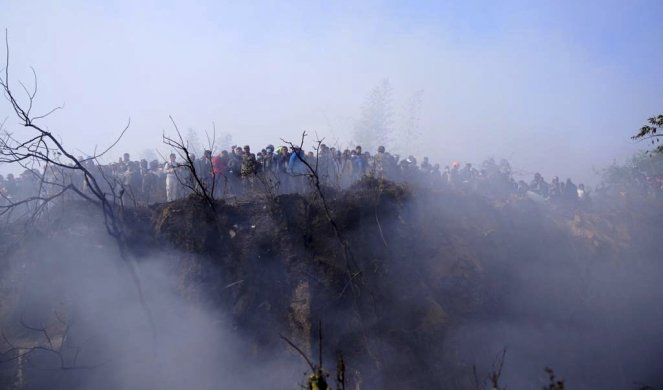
(389, 271)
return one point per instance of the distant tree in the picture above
(409, 137)
(149, 155)
(652, 131)
(636, 173)
(193, 143)
(375, 126)
(223, 142)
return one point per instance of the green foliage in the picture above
(652, 132)
(317, 381)
(635, 171)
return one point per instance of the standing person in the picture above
(218, 173)
(150, 181)
(570, 191)
(346, 175)
(297, 169)
(382, 164)
(426, 167)
(360, 163)
(205, 171)
(281, 160)
(248, 169)
(268, 159)
(171, 178)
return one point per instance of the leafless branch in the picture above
(296, 348)
(182, 149)
(312, 173)
(496, 374)
(38, 145)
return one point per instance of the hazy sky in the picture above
(555, 86)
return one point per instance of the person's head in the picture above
(247, 149)
(358, 149)
(143, 163)
(173, 157)
(126, 157)
(208, 154)
(381, 149)
(238, 151)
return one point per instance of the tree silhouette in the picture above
(375, 126)
(651, 132)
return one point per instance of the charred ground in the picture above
(397, 276)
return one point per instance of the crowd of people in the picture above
(239, 172)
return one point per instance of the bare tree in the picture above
(314, 179)
(52, 339)
(493, 378)
(194, 182)
(35, 146)
(317, 378)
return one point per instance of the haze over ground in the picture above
(554, 86)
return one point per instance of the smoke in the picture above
(592, 315)
(73, 283)
(449, 279)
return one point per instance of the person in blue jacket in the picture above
(297, 169)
